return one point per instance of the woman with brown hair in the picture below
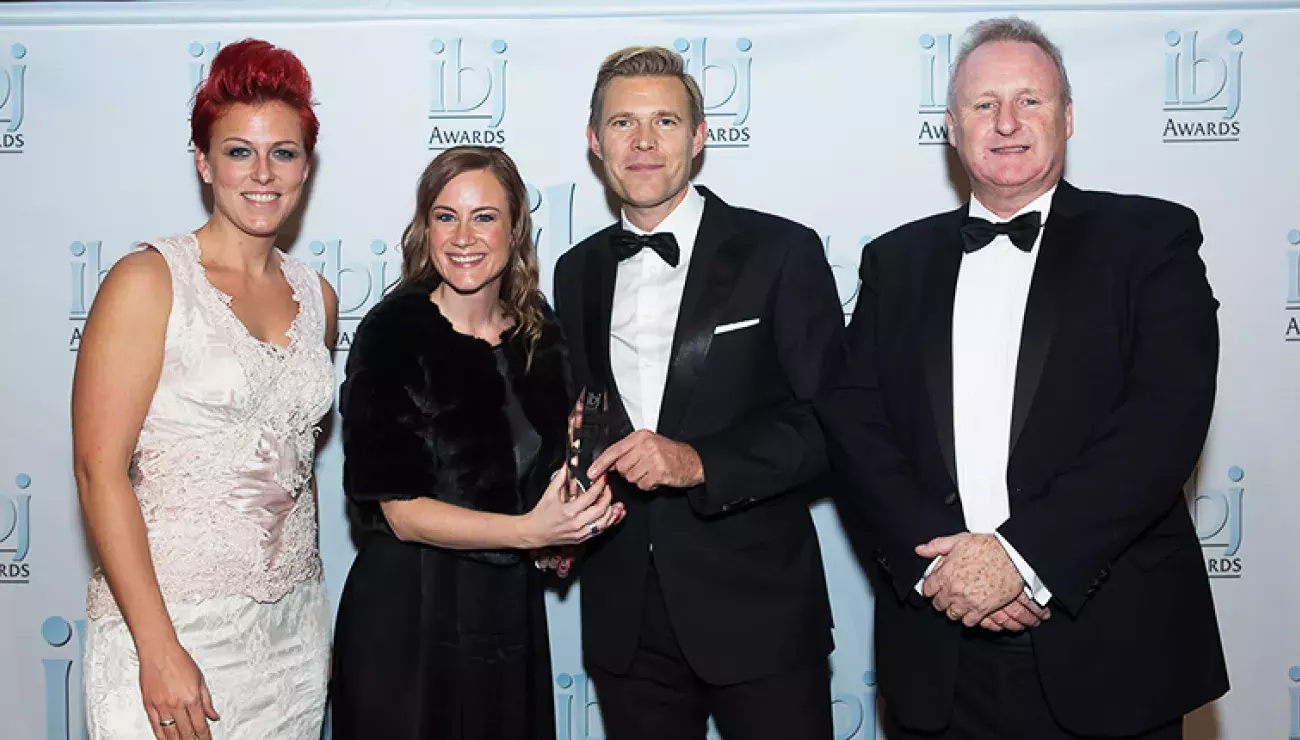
(454, 419)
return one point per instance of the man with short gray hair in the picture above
(1026, 385)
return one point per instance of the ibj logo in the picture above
(64, 713)
(1202, 78)
(577, 715)
(726, 84)
(844, 268)
(936, 64)
(16, 533)
(201, 54)
(359, 283)
(1217, 513)
(1292, 333)
(858, 711)
(551, 209)
(88, 271)
(13, 76)
(88, 268)
(467, 98)
(1294, 675)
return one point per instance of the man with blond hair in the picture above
(706, 325)
(1026, 384)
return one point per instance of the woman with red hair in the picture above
(203, 371)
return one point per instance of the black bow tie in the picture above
(625, 244)
(1022, 230)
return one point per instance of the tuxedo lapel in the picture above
(598, 304)
(936, 329)
(716, 263)
(1062, 238)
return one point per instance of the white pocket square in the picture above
(735, 326)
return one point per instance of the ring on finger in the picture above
(166, 722)
(595, 529)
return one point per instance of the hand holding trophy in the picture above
(586, 434)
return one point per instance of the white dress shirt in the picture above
(988, 313)
(647, 300)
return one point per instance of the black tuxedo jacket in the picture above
(737, 557)
(1114, 388)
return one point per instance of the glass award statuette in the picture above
(587, 430)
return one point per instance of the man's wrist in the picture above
(694, 473)
(1032, 584)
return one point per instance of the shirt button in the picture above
(951, 498)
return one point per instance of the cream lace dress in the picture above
(222, 471)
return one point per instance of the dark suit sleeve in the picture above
(384, 455)
(778, 449)
(1133, 470)
(876, 490)
(561, 278)
(562, 287)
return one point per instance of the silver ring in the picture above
(166, 722)
(595, 529)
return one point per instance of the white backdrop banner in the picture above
(834, 119)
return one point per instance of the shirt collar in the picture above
(1042, 204)
(683, 223)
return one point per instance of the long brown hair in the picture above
(520, 297)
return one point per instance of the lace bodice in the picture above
(223, 463)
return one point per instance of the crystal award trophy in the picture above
(588, 433)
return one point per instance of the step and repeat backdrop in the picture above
(833, 118)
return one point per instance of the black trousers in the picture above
(661, 698)
(999, 697)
